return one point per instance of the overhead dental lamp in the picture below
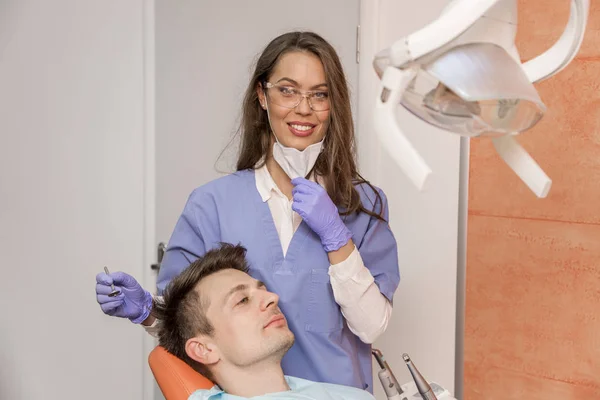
(462, 73)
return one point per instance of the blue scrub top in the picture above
(230, 209)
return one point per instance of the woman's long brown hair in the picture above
(337, 162)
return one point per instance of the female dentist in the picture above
(323, 244)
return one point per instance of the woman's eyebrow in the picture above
(293, 82)
(290, 80)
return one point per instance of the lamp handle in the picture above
(522, 164)
(397, 145)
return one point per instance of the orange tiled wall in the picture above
(533, 265)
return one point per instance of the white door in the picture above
(71, 196)
(204, 52)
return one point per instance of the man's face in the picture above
(248, 324)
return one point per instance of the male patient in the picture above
(228, 327)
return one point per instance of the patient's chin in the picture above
(271, 348)
(276, 349)
(283, 343)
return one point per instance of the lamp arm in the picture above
(566, 47)
(459, 17)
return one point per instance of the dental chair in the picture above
(177, 380)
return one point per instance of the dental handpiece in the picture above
(386, 376)
(114, 292)
(422, 385)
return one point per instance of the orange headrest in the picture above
(176, 379)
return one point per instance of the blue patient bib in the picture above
(299, 389)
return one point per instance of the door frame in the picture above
(149, 240)
(368, 41)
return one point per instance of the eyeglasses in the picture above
(289, 97)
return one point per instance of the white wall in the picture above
(425, 224)
(71, 195)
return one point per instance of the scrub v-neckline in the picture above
(281, 262)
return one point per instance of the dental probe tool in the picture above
(422, 385)
(114, 292)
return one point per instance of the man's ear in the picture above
(261, 96)
(203, 350)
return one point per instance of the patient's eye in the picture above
(243, 301)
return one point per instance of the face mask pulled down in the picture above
(295, 163)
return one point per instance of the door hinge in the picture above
(357, 44)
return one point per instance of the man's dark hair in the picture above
(182, 312)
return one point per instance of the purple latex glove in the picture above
(133, 302)
(313, 204)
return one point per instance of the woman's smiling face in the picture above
(300, 126)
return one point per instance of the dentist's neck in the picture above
(253, 380)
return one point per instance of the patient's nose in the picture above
(270, 300)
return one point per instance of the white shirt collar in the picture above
(265, 183)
